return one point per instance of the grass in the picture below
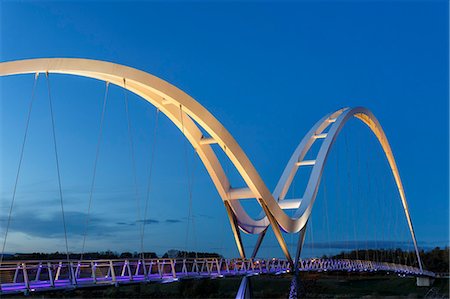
(313, 285)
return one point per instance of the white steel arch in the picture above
(334, 122)
(186, 113)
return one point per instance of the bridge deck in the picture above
(33, 276)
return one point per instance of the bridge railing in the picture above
(26, 276)
(43, 274)
(359, 265)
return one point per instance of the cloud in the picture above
(205, 216)
(125, 223)
(51, 225)
(148, 221)
(173, 221)
(352, 245)
(360, 244)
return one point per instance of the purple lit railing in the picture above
(31, 276)
(359, 266)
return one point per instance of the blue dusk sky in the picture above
(267, 71)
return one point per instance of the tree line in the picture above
(435, 260)
(108, 255)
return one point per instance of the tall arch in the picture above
(189, 116)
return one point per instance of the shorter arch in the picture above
(335, 121)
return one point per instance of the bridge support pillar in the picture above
(301, 240)
(423, 281)
(276, 231)
(258, 243)
(235, 228)
(296, 290)
(244, 291)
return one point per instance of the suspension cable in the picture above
(58, 170)
(150, 172)
(292, 189)
(350, 190)
(379, 208)
(194, 232)
(387, 210)
(389, 220)
(27, 122)
(325, 203)
(398, 236)
(223, 223)
(311, 233)
(133, 163)
(359, 197)
(338, 195)
(369, 195)
(189, 181)
(97, 151)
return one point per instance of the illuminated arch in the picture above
(187, 114)
(334, 122)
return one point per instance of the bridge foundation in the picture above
(422, 281)
(244, 291)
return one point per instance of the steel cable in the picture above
(27, 123)
(58, 172)
(150, 172)
(189, 180)
(99, 138)
(133, 165)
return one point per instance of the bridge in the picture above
(32, 276)
(203, 131)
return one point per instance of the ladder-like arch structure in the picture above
(333, 124)
(193, 119)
